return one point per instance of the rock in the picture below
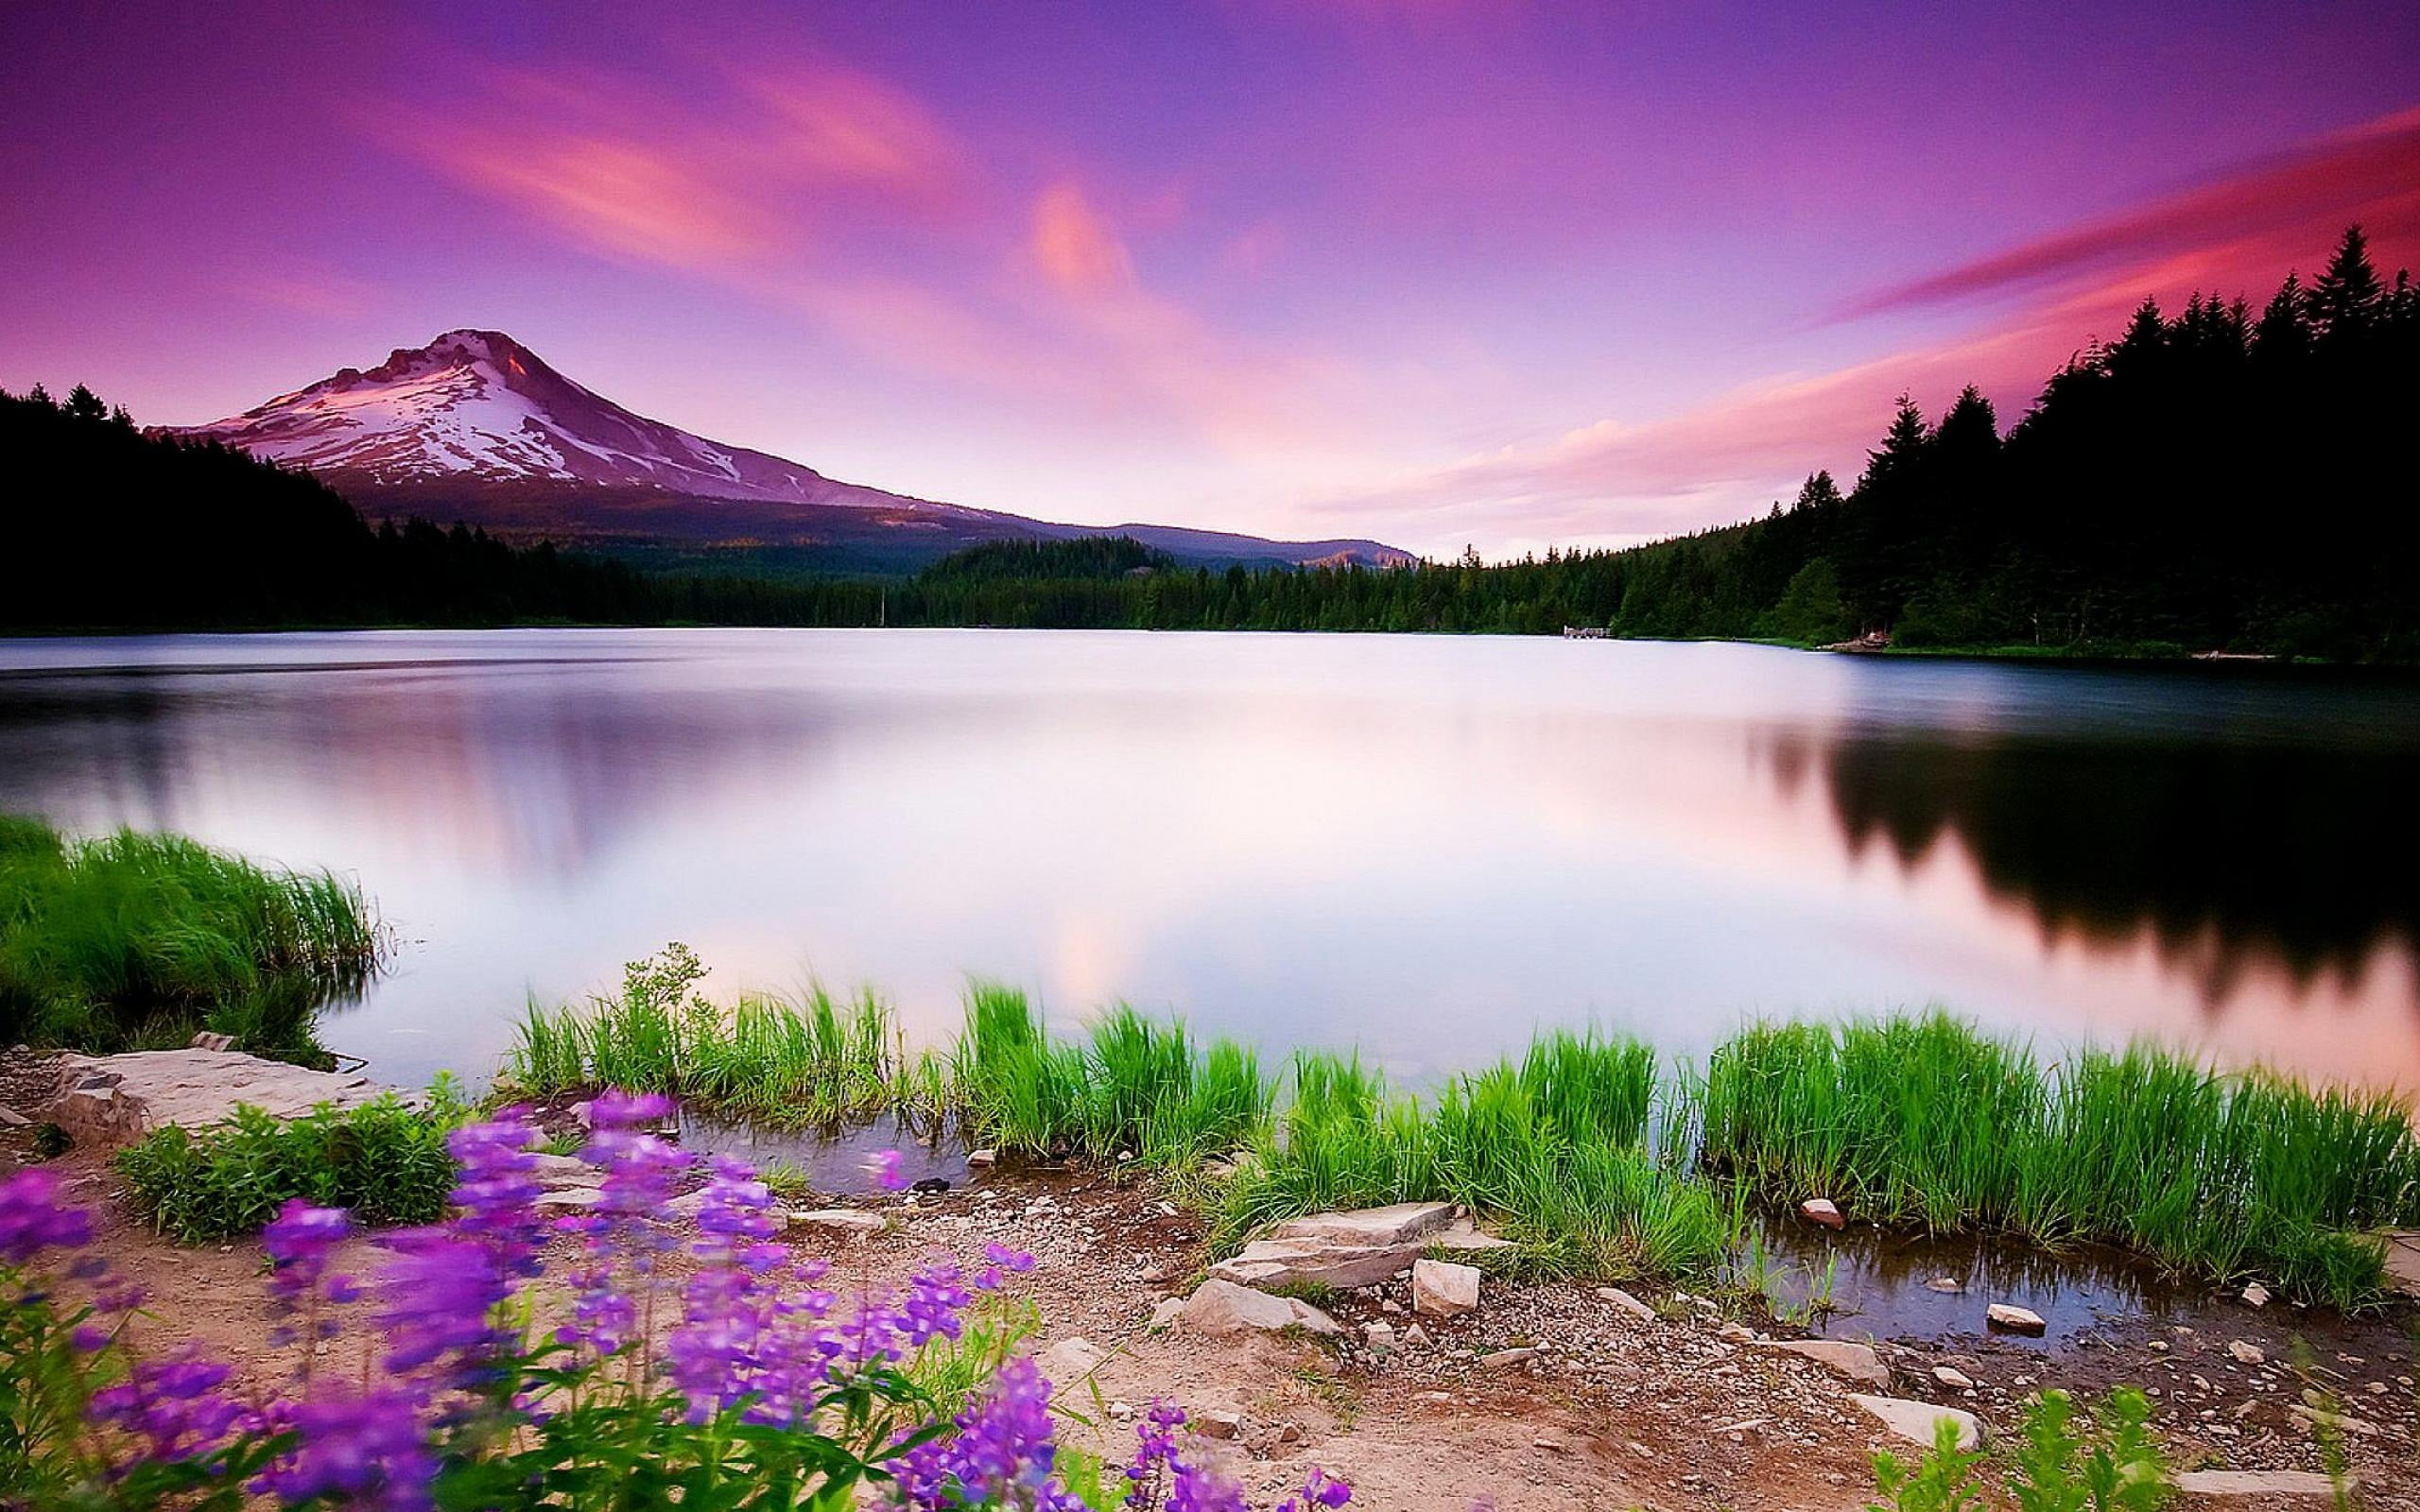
(977, 1159)
(843, 1223)
(2245, 1353)
(2256, 1295)
(118, 1099)
(1626, 1302)
(1440, 1288)
(1416, 1337)
(217, 1043)
(1218, 1423)
(1390, 1306)
(1345, 1250)
(1398, 1224)
(1289, 1433)
(2014, 1319)
(1851, 1362)
(686, 1206)
(1948, 1285)
(1163, 1316)
(2321, 1417)
(1956, 1380)
(1552, 1442)
(1506, 1359)
(1914, 1420)
(556, 1172)
(1821, 1212)
(2254, 1482)
(1069, 1361)
(1288, 1262)
(1735, 1334)
(1121, 1410)
(568, 1199)
(1161, 1272)
(1223, 1307)
(10, 1118)
(2402, 1260)
(1378, 1336)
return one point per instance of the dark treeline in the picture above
(2213, 480)
(104, 527)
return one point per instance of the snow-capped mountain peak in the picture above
(477, 406)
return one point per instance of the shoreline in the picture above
(1688, 1409)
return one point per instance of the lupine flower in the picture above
(1319, 1491)
(366, 1451)
(1147, 1472)
(437, 1298)
(172, 1408)
(496, 1195)
(888, 1173)
(31, 1219)
(299, 1241)
(1002, 1454)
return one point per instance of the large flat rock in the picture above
(1219, 1307)
(2402, 1260)
(1918, 1421)
(1399, 1224)
(1361, 1247)
(117, 1099)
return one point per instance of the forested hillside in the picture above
(2212, 479)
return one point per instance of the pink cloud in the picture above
(1613, 481)
(2238, 228)
(1075, 246)
(704, 186)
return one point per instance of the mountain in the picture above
(476, 427)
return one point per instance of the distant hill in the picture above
(476, 427)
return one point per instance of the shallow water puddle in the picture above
(1882, 1284)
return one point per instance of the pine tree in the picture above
(2346, 298)
(82, 403)
(1902, 445)
(2283, 335)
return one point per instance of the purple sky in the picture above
(1431, 271)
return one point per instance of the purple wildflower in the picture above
(437, 1298)
(1147, 1472)
(886, 1172)
(1002, 1454)
(299, 1241)
(31, 1219)
(1319, 1491)
(173, 1408)
(366, 1451)
(496, 1196)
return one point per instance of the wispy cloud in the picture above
(2240, 225)
(1615, 480)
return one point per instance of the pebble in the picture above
(2248, 1353)
(1504, 1359)
(1954, 1379)
(2256, 1295)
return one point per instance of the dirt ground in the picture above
(1611, 1411)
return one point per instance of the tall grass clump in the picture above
(135, 938)
(1553, 1149)
(1928, 1121)
(1134, 1088)
(777, 1061)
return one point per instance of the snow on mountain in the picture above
(475, 427)
(479, 406)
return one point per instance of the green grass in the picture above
(133, 940)
(386, 1161)
(1927, 1121)
(1582, 1149)
(779, 1061)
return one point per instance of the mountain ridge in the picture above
(475, 427)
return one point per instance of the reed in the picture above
(135, 938)
(810, 1060)
(1928, 1121)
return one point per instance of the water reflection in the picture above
(2230, 856)
(1425, 847)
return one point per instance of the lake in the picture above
(1424, 846)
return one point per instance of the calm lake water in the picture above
(1424, 846)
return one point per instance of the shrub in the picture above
(2066, 1460)
(762, 1389)
(386, 1161)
